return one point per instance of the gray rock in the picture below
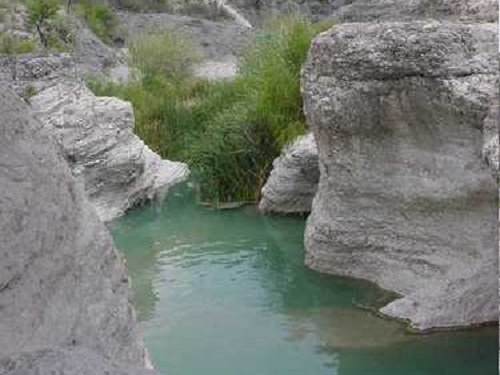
(96, 135)
(293, 182)
(214, 70)
(216, 40)
(91, 54)
(491, 135)
(410, 10)
(63, 287)
(405, 197)
(37, 70)
(68, 361)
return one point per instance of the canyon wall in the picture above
(406, 196)
(64, 294)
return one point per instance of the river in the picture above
(226, 293)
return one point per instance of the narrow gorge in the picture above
(249, 187)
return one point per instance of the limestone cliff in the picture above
(97, 137)
(64, 296)
(406, 198)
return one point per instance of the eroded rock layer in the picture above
(293, 182)
(96, 135)
(406, 198)
(64, 296)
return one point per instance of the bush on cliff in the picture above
(40, 13)
(14, 45)
(100, 18)
(228, 131)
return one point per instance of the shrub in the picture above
(228, 131)
(234, 159)
(28, 92)
(100, 18)
(167, 54)
(13, 45)
(40, 12)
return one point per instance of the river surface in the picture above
(226, 293)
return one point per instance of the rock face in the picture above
(217, 40)
(36, 71)
(96, 135)
(406, 198)
(64, 297)
(394, 10)
(293, 182)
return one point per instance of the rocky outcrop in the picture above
(36, 72)
(216, 40)
(406, 198)
(96, 135)
(64, 297)
(394, 10)
(293, 182)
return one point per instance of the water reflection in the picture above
(227, 293)
(345, 328)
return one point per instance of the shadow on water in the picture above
(226, 292)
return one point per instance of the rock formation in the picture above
(64, 297)
(293, 182)
(96, 135)
(36, 71)
(394, 10)
(406, 198)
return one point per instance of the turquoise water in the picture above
(226, 293)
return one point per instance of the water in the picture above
(226, 293)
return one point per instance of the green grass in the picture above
(13, 45)
(99, 17)
(228, 131)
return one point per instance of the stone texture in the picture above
(405, 197)
(216, 40)
(293, 182)
(36, 70)
(91, 54)
(63, 287)
(70, 361)
(395, 10)
(96, 135)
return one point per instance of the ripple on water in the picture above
(226, 293)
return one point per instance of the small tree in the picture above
(39, 13)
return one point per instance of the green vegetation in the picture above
(40, 12)
(167, 55)
(28, 92)
(100, 18)
(228, 131)
(14, 45)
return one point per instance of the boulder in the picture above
(64, 293)
(293, 181)
(96, 135)
(406, 198)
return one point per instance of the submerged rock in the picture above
(405, 197)
(64, 297)
(96, 135)
(351, 328)
(293, 181)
